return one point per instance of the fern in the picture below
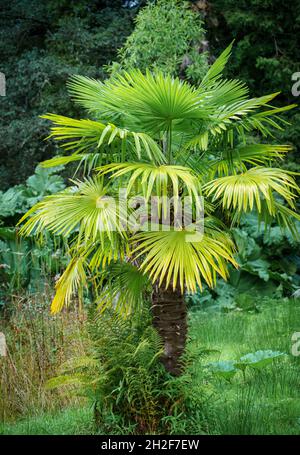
(125, 381)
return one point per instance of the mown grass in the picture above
(262, 402)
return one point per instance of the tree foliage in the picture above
(41, 45)
(168, 36)
(266, 52)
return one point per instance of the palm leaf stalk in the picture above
(157, 137)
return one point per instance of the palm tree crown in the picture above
(156, 135)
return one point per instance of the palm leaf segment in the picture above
(88, 136)
(72, 281)
(243, 192)
(85, 208)
(233, 112)
(237, 159)
(121, 285)
(182, 259)
(150, 101)
(160, 181)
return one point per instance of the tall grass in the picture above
(37, 343)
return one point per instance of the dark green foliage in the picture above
(266, 41)
(266, 51)
(26, 265)
(23, 262)
(18, 199)
(271, 256)
(41, 45)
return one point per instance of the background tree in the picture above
(152, 46)
(266, 52)
(41, 45)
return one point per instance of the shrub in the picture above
(168, 36)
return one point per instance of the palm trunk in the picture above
(170, 320)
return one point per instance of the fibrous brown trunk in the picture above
(170, 320)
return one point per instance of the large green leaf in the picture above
(223, 368)
(258, 359)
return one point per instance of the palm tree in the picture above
(155, 135)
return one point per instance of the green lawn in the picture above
(264, 402)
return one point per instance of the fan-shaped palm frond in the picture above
(236, 110)
(86, 91)
(234, 160)
(172, 257)
(265, 122)
(88, 136)
(226, 92)
(158, 178)
(237, 119)
(102, 253)
(85, 206)
(225, 161)
(121, 286)
(151, 100)
(242, 191)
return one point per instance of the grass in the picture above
(264, 402)
(72, 421)
(37, 344)
(261, 402)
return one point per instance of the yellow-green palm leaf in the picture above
(154, 179)
(236, 159)
(89, 135)
(246, 191)
(72, 280)
(178, 257)
(86, 207)
(149, 100)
